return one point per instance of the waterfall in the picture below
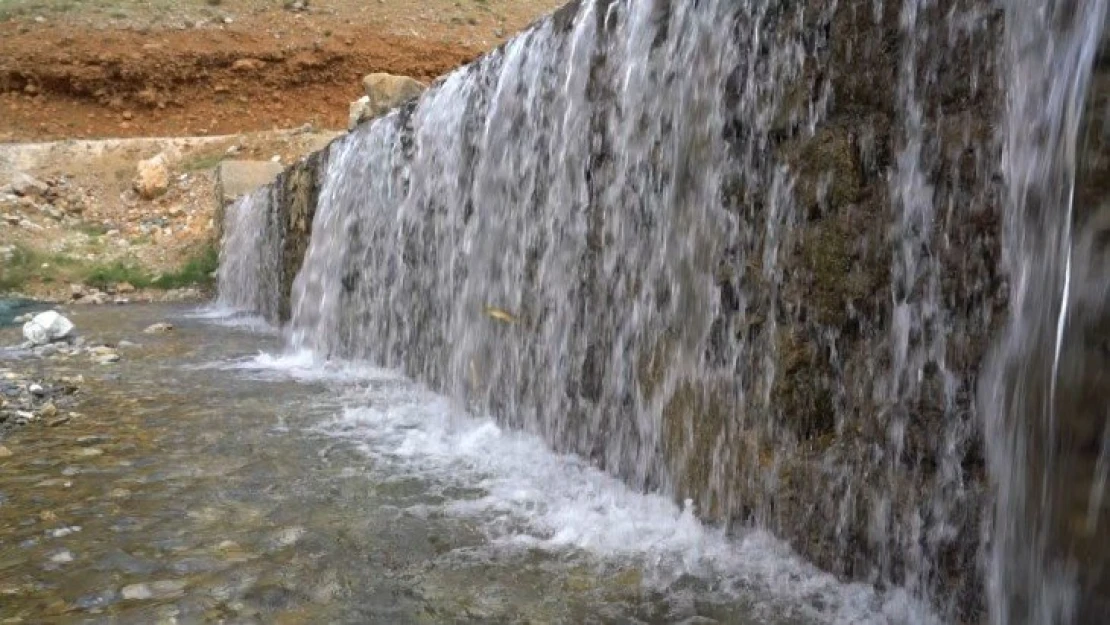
(543, 232)
(1046, 443)
(250, 256)
(756, 255)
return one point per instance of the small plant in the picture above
(17, 270)
(104, 276)
(197, 271)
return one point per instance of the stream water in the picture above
(213, 477)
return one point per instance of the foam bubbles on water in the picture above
(304, 366)
(221, 315)
(530, 497)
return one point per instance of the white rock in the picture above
(36, 389)
(47, 327)
(360, 110)
(165, 589)
(159, 328)
(137, 592)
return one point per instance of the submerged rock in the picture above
(165, 589)
(159, 328)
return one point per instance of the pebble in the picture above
(62, 532)
(159, 328)
(164, 589)
(5, 452)
(289, 536)
(62, 557)
(59, 421)
(36, 389)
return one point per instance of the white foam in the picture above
(304, 366)
(221, 315)
(535, 498)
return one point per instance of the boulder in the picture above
(26, 185)
(152, 177)
(385, 92)
(47, 327)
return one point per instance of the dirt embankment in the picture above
(62, 84)
(142, 69)
(229, 77)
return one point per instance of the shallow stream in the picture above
(213, 478)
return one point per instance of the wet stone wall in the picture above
(760, 271)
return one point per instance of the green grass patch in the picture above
(197, 271)
(27, 266)
(104, 276)
(17, 271)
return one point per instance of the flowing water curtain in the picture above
(1044, 437)
(250, 256)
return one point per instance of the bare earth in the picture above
(253, 79)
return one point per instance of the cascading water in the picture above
(745, 253)
(546, 244)
(1046, 425)
(250, 256)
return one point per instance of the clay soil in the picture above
(129, 68)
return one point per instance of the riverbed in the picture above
(213, 476)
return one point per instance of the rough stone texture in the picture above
(385, 92)
(845, 494)
(359, 112)
(294, 195)
(152, 177)
(871, 474)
